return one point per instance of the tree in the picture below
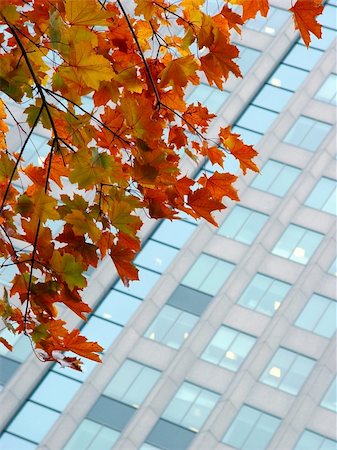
(107, 163)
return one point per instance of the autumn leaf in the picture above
(203, 204)
(242, 152)
(4, 342)
(91, 14)
(252, 7)
(220, 185)
(81, 346)
(68, 270)
(305, 13)
(180, 71)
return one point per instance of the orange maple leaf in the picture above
(242, 152)
(252, 7)
(304, 15)
(203, 204)
(220, 185)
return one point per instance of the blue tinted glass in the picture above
(251, 429)
(247, 58)
(323, 196)
(174, 233)
(156, 256)
(288, 77)
(248, 136)
(243, 224)
(101, 331)
(55, 391)
(306, 247)
(313, 441)
(328, 91)
(257, 119)
(33, 421)
(330, 398)
(87, 368)
(228, 348)
(299, 130)
(208, 96)
(140, 289)
(319, 316)
(273, 98)
(287, 371)
(118, 307)
(328, 17)
(325, 41)
(333, 268)
(264, 294)
(303, 58)
(10, 442)
(315, 136)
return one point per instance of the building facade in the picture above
(228, 339)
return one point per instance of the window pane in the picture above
(251, 429)
(319, 316)
(243, 224)
(273, 98)
(156, 256)
(171, 327)
(132, 383)
(33, 421)
(330, 398)
(208, 96)
(328, 91)
(140, 288)
(275, 178)
(102, 331)
(10, 442)
(300, 56)
(208, 274)
(191, 406)
(297, 244)
(313, 441)
(228, 348)
(118, 307)
(287, 371)
(56, 391)
(257, 119)
(307, 133)
(247, 58)
(104, 439)
(83, 436)
(323, 196)
(288, 77)
(174, 233)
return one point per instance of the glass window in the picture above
(55, 391)
(191, 406)
(297, 244)
(271, 24)
(174, 233)
(131, 383)
(330, 398)
(243, 224)
(272, 97)
(168, 436)
(319, 316)
(228, 348)
(7, 369)
(257, 119)
(328, 17)
(208, 274)
(33, 421)
(140, 288)
(247, 58)
(275, 178)
(118, 307)
(248, 136)
(10, 442)
(264, 294)
(287, 371)
(21, 346)
(251, 429)
(328, 91)
(92, 436)
(307, 133)
(210, 97)
(314, 441)
(333, 268)
(302, 57)
(171, 327)
(288, 77)
(156, 256)
(324, 196)
(101, 331)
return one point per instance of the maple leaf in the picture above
(220, 185)
(68, 270)
(203, 204)
(252, 7)
(92, 14)
(304, 15)
(242, 152)
(180, 71)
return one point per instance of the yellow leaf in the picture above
(180, 71)
(88, 13)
